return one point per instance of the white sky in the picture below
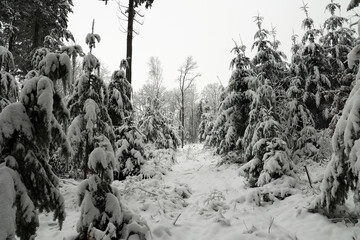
(173, 30)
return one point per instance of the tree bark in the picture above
(182, 118)
(35, 42)
(129, 39)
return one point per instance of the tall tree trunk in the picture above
(85, 160)
(35, 42)
(182, 118)
(130, 38)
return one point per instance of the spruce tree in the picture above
(130, 150)
(27, 130)
(212, 96)
(129, 141)
(206, 120)
(337, 43)
(88, 109)
(233, 116)
(103, 216)
(268, 59)
(317, 82)
(342, 172)
(31, 22)
(9, 89)
(296, 117)
(266, 152)
(156, 128)
(120, 106)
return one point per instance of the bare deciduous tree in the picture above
(192, 121)
(155, 75)
(186, 79)
(153, 88)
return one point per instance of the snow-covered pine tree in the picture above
(88, 109)
(337, 43)
(208, 132)
(269, 62)
(130, 150)
(233, 116)
(7, 59)
(296, 118)
(27, 129)
(8, 30)
(268, 59)
(129, 140)
(342, 172)
(212, 96)
(120, 106)
(206, 120)
(156, 128)
(103, 216)
(9, 89)
(317, 66)
(265, 150)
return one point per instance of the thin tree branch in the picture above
(176, 219)
(191, 80)
(134, 31)
(139, 14)
(141, 23)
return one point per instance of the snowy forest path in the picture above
(219, 207)
(211, 187)
(222, 207)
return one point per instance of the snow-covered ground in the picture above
(200, 200)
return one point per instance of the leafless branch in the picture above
(191, 80)
(139, 14)
(176, 219)
(154, 194)
(141, 23)
(122, 29)
(134, 31)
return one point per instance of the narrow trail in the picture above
(211, 187)
(219, 206)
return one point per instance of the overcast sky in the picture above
(173, 30)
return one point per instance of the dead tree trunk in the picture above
(129, 39)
